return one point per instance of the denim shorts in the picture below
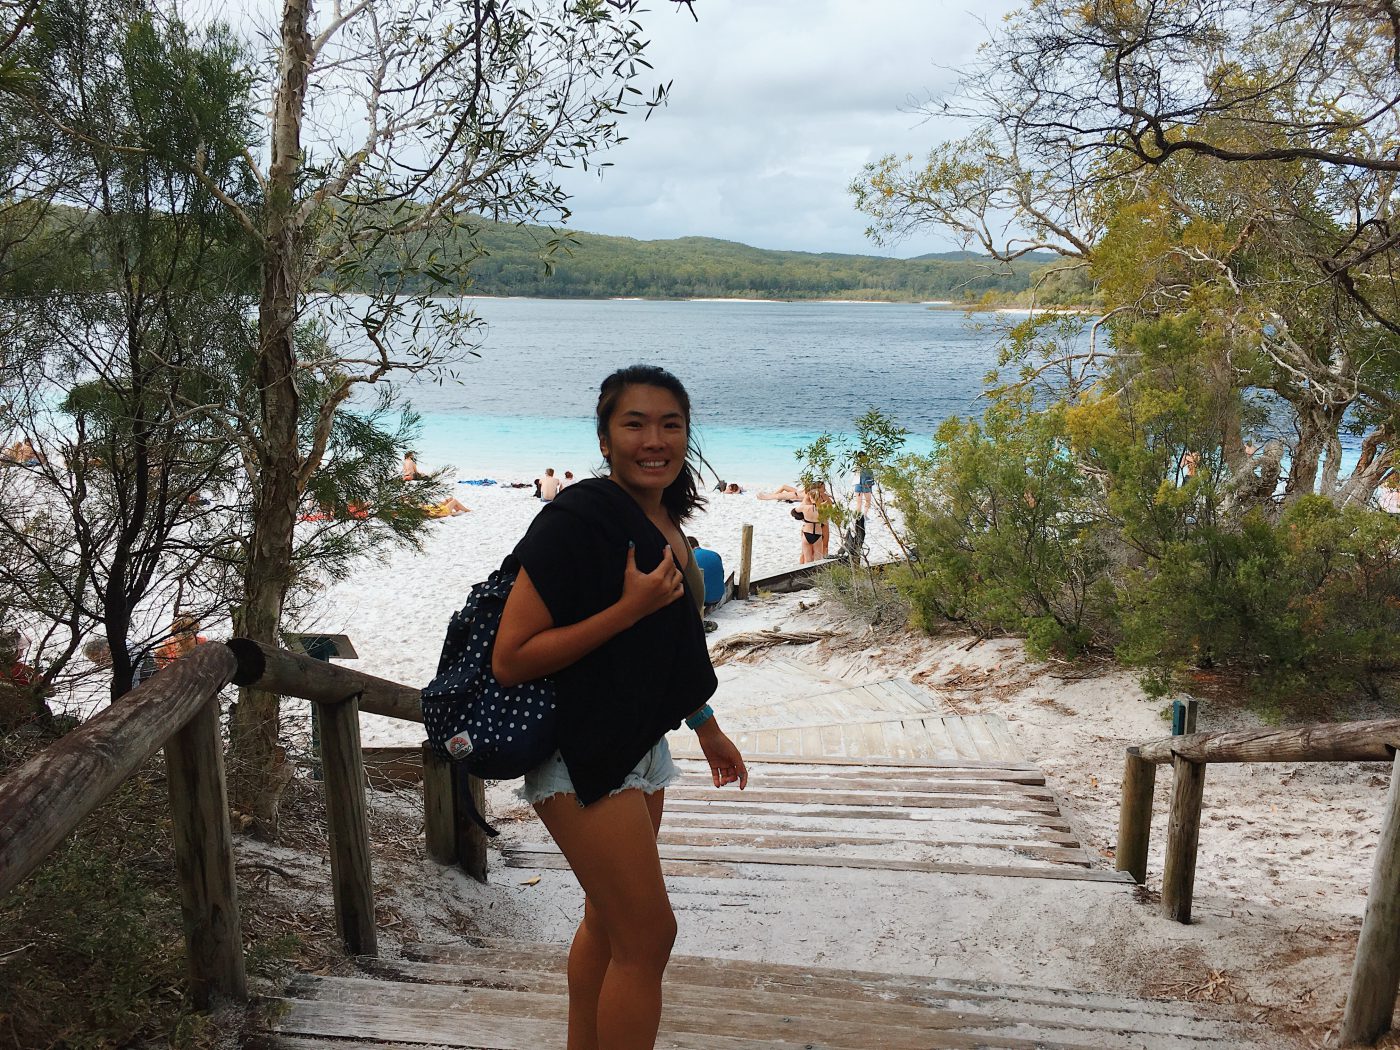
(551, 777)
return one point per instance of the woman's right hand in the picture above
(643, 593)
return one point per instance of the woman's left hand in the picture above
(726, 764)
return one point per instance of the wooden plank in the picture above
(892, 830)
(811, 738)
(962, 740)
(845, 775)
(789, 840)
(872, 740)
(785, 858)
(1373, 741)
(482, 959)
(927, 814)
(688, 1007)
(941, 786)
(895, 743)
(791, 742)
(669, 868)
(438, 833)
(458, 1028)
(943, 748)
(833, 743)
(861, 798)
(295, 674)
(987, 747)
(1001, 732)
(937, 763)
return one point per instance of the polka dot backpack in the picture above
(489, 730)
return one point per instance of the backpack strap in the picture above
(465, 803)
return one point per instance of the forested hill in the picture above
(597, 266)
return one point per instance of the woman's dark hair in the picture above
(682, 497)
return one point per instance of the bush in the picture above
(1005, 529)
(1310, 603)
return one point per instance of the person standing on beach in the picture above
(607, 603)
(865, 483)
(549, 485)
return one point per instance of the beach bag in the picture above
(486, 729)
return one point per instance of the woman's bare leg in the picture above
(620, 951)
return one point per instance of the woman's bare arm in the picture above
(529, 646)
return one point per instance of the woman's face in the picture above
(646, 443)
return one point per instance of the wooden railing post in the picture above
(469, 840)
(194, 764)
(1183, 836)
(352, 884)
(439, 835)
(1135, 816)
(1376, 975)
(745, 562)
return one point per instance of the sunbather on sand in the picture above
(786, 493)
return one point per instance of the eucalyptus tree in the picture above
(1230, 159)
(124, 304)
(392, 125)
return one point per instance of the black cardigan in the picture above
(619, 700)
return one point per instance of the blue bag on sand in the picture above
(488, 730)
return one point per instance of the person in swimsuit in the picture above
(865, 483)
(607, 604)
(813, 528)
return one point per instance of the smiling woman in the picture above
(604, 605)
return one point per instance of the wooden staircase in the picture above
(510, 996)
(872, 777)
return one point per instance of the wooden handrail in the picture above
(1373, 741)
(43, 800)
(295, 674)
(1376, 972)
(329, 685)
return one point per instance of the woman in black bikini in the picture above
(607, 603)
(814, 529)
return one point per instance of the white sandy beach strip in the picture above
(396, 609)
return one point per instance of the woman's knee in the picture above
(645, 940)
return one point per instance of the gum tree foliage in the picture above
(118, 286)
(1223, 171)
(391, 123)
(1228, 158)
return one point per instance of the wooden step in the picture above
(501, 995)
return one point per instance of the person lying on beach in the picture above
(733, 489)
(786, 493)
(448, 508)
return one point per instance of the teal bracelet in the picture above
(700, 717)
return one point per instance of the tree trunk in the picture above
(259, 766)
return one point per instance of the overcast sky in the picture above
(775, 106)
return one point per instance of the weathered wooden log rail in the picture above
(177, 709)
(1376, 974)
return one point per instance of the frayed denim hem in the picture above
(656, 771)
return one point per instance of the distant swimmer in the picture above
(550, 486)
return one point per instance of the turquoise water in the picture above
(765, 379)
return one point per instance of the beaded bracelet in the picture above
(700, 717)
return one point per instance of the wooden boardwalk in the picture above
(873, 777)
